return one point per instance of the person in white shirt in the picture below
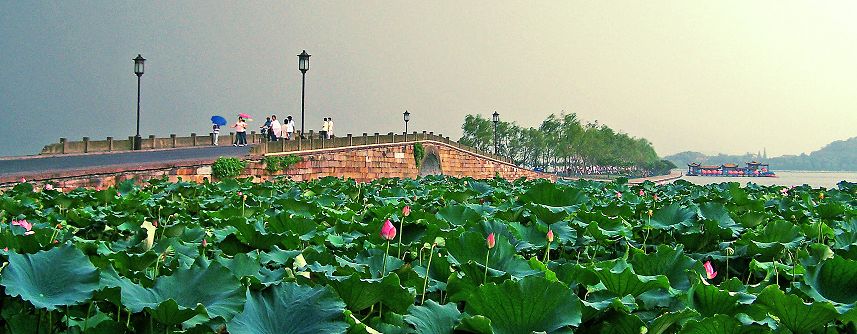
(329, 127)
(290, 127)
(323, 133)
(276, 129)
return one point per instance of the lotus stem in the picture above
(428, 268)
(399, 247)
(86, 322)
(39, 321)
(547, 253)
(486, 266)
(386, 254)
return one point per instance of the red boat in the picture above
(753, 169)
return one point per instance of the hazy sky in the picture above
(713, 76)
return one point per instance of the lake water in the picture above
(784, 178)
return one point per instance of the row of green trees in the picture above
(564, 144)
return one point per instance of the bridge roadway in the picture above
(21, 166)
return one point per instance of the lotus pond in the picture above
(321, 257)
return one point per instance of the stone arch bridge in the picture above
(362, 158)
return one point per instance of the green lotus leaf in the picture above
(709, 300)
(458, 215)
(620, 323)
(531, 304)
(50, 279)
(751, 219)
(665, 322)
(794, 313)
(834, 280)
(669, 261)
(619, 277)
(290, 308)
(255, 234)
(721, 324)
(433, 318)
(672, 217)
(552, 194)
(475, 324)
(359, 294)
(471, 247)
(210, 286)
(718, 213)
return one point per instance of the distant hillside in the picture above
(840, 155)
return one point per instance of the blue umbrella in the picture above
(219, 120)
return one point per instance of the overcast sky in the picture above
(713, 76)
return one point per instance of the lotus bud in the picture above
(821, 196)
(642, 193)
(618, 195)
(655, 197)
(650, 213)
(729, 251)
(244, 198)
(550, 235)
(150, 234)
(709, 270)
(204, 242)
(388, 231)
(490, 240)
(440, 241)
(406, 211)
(49, 187)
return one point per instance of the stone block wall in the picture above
(362, 164)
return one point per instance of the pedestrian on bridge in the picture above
(323, 133)
(241, 132)
(290, 127)
(275, 132)
(329, 127)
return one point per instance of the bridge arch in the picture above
(430, 165)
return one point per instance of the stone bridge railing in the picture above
(314, 143)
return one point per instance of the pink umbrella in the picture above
(243, 115)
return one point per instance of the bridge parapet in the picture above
(311, 143)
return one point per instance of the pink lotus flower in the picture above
(388, 231)
(642, 193)
(204, 242)
(5, 249)
(26, 225)
(49, 187)
(406, 211)
(550, 235)
(784, 191)
(155, 223)
(618, 195)
(655, 197)
(23, 180)
(490, 240)
(709, 270)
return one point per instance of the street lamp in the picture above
(496, 119)
(138, 70)
(303, 65)
(407, 116)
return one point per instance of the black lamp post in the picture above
(407, 116)
(138, 70)
(496, 119)
(303, 65)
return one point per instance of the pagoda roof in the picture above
(693, 164)
(710, 167)
(729, 165)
